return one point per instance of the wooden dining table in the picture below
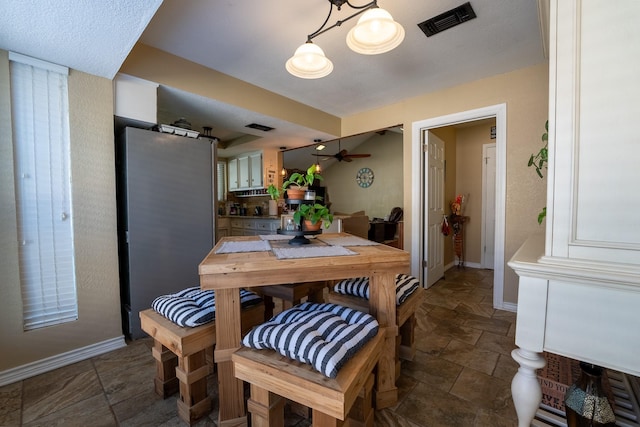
(226, 273)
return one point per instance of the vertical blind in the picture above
(39, 102)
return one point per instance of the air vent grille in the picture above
(259, 127)
(447, 20)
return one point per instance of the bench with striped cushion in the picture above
(194, 307)
(324, 336)
(354, 293)
(184, 332)
(359, 287)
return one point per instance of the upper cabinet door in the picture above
(244, 177)
(593, 198)
(233, 174)
(255, 173)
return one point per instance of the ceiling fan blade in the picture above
(356, 156)
(347, 159)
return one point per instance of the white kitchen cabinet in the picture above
(246, 172)
(232, 166)
(254, 170)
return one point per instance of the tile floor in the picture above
(460, 376)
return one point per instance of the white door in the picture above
(488, 204)
(433, 263)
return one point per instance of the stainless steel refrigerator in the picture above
(165, 189)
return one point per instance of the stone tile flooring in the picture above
(461, 374)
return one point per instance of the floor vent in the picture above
(259, 127)
(447, 20)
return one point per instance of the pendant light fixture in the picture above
(376, 32)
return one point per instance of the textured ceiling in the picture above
(91, 36)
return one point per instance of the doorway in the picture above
(420, 183)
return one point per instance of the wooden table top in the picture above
(219, 271)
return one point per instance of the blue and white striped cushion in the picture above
(359, 287)
(194, 306)
(322, 335)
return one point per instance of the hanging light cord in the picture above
(323, 30)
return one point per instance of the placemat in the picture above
(248, 246)
(311, 251)
(275, 237)
(347, 241)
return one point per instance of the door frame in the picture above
(483, 234)
(418, 128)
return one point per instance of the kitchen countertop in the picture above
(251, 216)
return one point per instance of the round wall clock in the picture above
(364, 177)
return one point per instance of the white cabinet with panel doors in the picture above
(254, 170)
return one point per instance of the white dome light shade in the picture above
(376, 32)
(309, 62)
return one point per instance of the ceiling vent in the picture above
(259, 127)
(447, 20)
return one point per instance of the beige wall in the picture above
(525, 93)
(386, 191)
(94, 226)
(469, 144)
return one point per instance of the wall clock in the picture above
(364, 177)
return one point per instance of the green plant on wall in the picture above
(539, 162)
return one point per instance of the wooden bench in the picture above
(291, 294)
(405, 319)
(274, 378)
(181, 355)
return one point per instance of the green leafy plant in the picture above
(303, 180)
(314, 213)
(539, 162)
(273, 191)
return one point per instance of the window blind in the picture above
(39, 102)
(221, 180)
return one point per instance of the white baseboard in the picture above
(508, 306)
(59, 360)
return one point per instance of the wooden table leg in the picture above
(228, 339)
(382, 305)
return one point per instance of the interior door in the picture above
(433, 263)
(488, 204)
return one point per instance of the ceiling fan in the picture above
(342, 155)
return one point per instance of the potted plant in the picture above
(274, 192)
(313, 215)
(300, 182)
